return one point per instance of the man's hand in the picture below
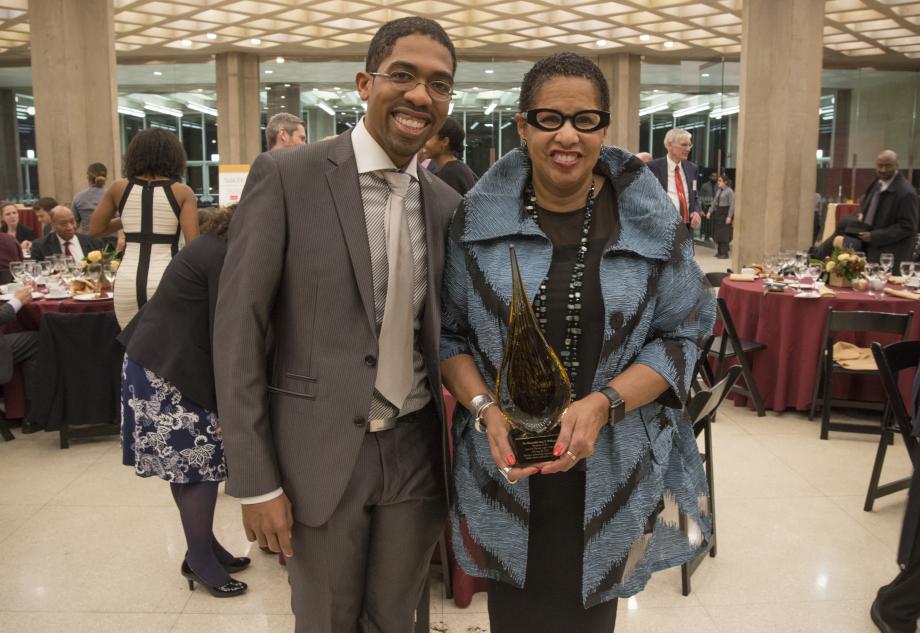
(728, 220)
(270, 524)
(865, 236)
(24, 294)
(695, 220)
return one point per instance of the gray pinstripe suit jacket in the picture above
(295, 337)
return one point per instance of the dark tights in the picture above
(196, 508)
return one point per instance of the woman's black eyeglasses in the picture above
(551, 120)
(406, 81)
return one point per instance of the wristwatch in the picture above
(478, 405)
(617, 405)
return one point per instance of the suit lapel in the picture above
(346, 195)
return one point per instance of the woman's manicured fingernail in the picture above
(510, 459)
(557, 450)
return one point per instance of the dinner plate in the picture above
(808, 295)
(7, 297)
(60, 297)
(91, 296)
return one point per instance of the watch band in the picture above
(617, 404)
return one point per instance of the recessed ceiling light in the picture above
(337, 89)
(255, 41)
(644, 37)
(185, 43)
(669, 44)
(287, 85)
(475, 87)
(269, 71)
(157, 73)
(602, 42)
(489, 71)
(283, 97)
(705, 74)
(211, 36)
(279, 60)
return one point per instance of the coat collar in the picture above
(648, 224)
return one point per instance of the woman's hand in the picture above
(728, 220)
(581, 422)
(497, 430)
(26, 244)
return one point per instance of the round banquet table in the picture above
(791, 328)
(29, 318)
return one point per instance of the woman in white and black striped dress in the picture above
(154, 209)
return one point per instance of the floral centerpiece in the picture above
(842, 266)
(107, 259)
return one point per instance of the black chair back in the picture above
(881, 322)
(704, 403)
(715, 279)
(892, 360)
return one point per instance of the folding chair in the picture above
(836, 322)
(891, 360)
(729, 346)
(702, 409)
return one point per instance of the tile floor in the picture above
(85, 546)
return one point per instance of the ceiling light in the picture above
(30, 111)
(157, 73)
(211, 36)
(215, 158)
(325, 107)
(283, 97)
(132, 112)
(602, 42)
(718, 114)
(450, 108)
(185, 43)
(279, 60)
(269, 71)
(489, 71)
(201, 108)
(504, 125)
(658, 107)
(287, 85)
(691, 110)
(474, 126)
(669, 44)
(153, 107)
(255, 41)
(705, 74)
(490, 108)
(644, 37)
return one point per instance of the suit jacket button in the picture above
(370, 360)
(360, 422)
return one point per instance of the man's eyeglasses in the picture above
(438, 90)
(551, 120)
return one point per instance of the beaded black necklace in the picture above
(569, 355)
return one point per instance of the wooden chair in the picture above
(836, 322)
(702, 409)
(728, 346)
(891, 360)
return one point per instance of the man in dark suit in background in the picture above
(18, 347)
(328, 378)
(887, 219)
(63, 238)
(677, 176)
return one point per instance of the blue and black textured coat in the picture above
(646, 471)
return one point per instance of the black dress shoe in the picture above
(875, 613)
(237, 564)
(29, 427)
(227, 590)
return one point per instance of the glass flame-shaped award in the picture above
(532, 385)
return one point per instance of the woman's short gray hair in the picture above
(674, 135)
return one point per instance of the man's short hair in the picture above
(385, 39)
(45, 203)
(453, 132)
(674, 135)
(281, 121)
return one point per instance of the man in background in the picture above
(63, 239)
(677, 176)
(707, 194)
(285, 130)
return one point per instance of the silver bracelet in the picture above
(478, 405)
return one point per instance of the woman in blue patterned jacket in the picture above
(561, 541)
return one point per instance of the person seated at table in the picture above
(18, 347)
(11, 226)
(42, 210)
(887, 218)
(170, 424)
(10, 251)
(64, 239)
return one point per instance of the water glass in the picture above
(905, 269)
(18, 270)
(886, 261)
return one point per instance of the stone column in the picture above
(10, 185)
(778, 127)
(622, 71)
(75, 88)
(238, 135)
(283, 98)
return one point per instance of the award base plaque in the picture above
(533, 448)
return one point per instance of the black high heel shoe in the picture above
(237, 564)
(226, 590)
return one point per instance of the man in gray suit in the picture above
(326, 350)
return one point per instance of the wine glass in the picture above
(886, 261)
(33, 271)
(18, 270)
(873, 274)
(905, 269)
(94, 273)
(109, 269)
(914, 280)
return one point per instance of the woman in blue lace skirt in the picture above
(170, 426)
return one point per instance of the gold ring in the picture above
(572, 456)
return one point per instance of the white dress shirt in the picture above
(75, 250)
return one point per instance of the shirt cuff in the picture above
(14, 303)
(268, 496)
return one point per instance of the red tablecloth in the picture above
(791, 328)
(845, 209)
(29, 318)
